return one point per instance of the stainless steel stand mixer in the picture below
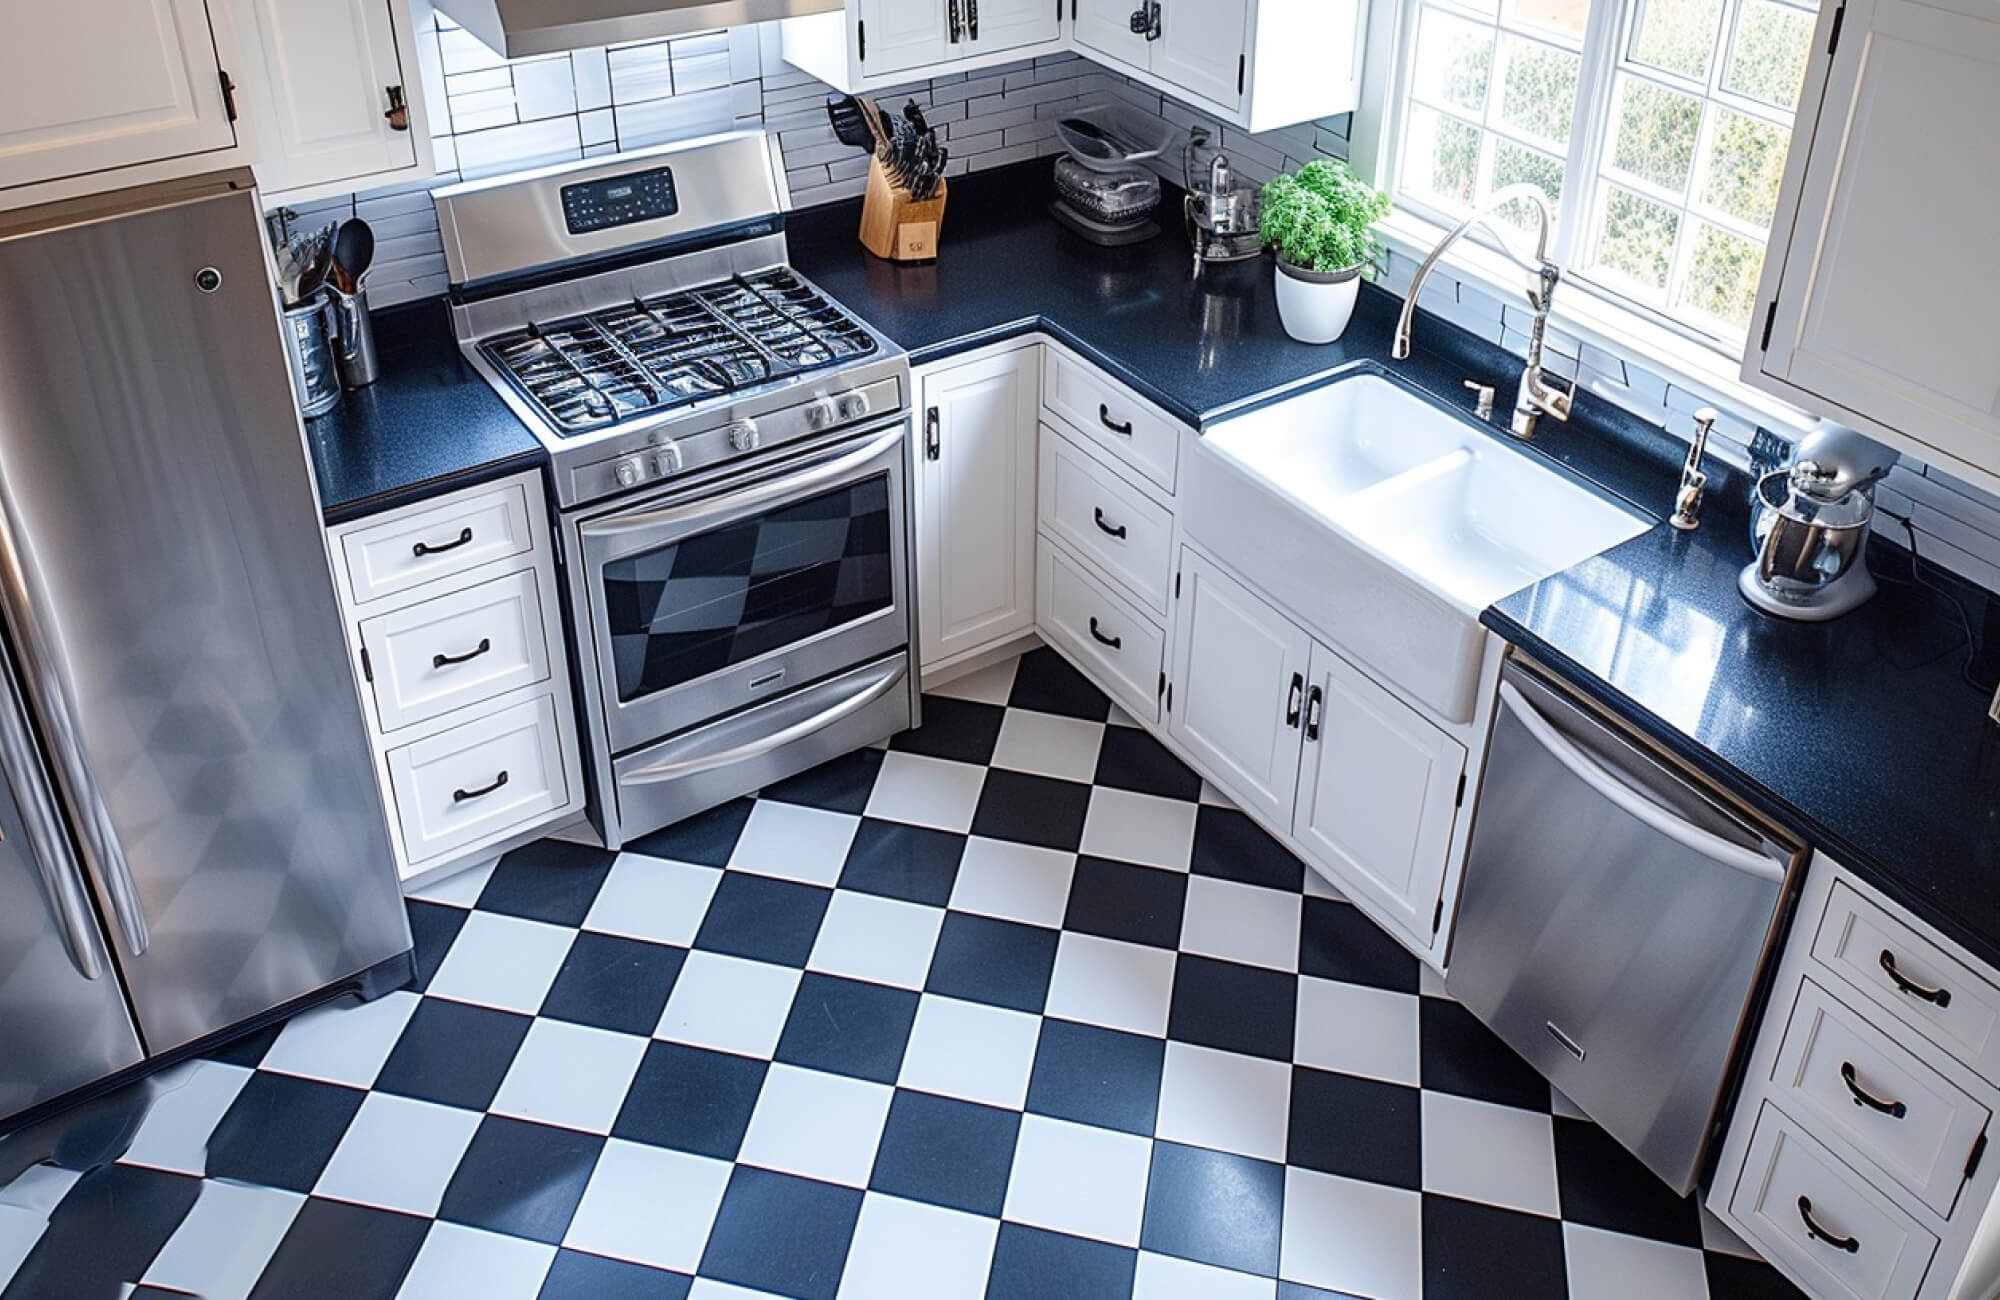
(1810, 529)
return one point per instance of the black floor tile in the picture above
(614, 983)
(337, 1251)
(763, 919)
(248, 1049)
(1000, 963)
(432, 926)
(281, 1131)
(913, 863)
(1476, 1252)
(1357, 1128)
(1731, 1277)
(691, 1099)
(841, 785)
(1214, 1207)
(1236, 1008)
(1097, 1076)
(960, 730)
(946, 1152)
(453, 1054)
(782, 1234)
(521, 1178)
(848, 1027)
(1045, 681)
(104, 1234)
(577, 1276)
(1029, 809)
(1034, 1264)
(1337, 942)
(1603, 1185)
(1462, 1056)
(1119, 900)
(550, 880)
(706, 839)
(1229, 845)
(1130, 759)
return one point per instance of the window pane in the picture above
(1722, 275)
(1746, 160)
(1656, 130)
(1768, 62)
(1677, 35)
(1637, 239)
(1454, 58)
(1565, 16)
(1514, 164)
(1440, 158)
(1538, 95)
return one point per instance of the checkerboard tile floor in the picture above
(1016, 1008)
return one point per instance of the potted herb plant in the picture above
(1320, 221)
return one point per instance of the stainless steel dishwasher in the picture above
(1617, 911)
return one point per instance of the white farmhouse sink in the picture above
(1387, 524)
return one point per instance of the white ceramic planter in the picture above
(1316, 305)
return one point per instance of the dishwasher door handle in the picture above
(1708, 844)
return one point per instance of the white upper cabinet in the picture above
(1202, 48)
(1107, 27)
(893, 35)
(996, 26)
(875, 43)
(91, 86)
(1880, 299)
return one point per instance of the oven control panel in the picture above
(619, 200)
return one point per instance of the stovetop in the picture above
(594, 371)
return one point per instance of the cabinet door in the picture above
(1106, 26)
(1889, 299)
(1238, 690)
(996, 25)
(1201, 47)
(1378, 793)
(322, 100)
(898, 34)
(87, 85)
(976, 511)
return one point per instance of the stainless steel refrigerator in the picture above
(190, 832)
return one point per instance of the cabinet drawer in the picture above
(1893, 966)
(1107, 520)
(462, 534)
(442, 654)
(487, 777)
(1836, 1068)
(1859, 1244)
(1127, 650)
(1109, 415)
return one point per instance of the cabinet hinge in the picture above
(1833, 37)
(1972, 1161)
(367, 666)
(1437, 917)
(1242, 71)
(861, 35)
(1770, 323)
(1461, 791)
(228, 92)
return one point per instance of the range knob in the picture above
(822, 414)
(629, 472)
(854, 405)
(743, 435)
(669, 460)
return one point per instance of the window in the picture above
(1658, 127)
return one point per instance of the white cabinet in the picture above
(91, 86)
(998, 26)
(976, 503)
(1105, 27)
(1379, 793)
(893, 35)
(880, 43)
(1203, 49)
(1880, 299)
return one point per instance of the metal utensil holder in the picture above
(354, 349)
(309, 346)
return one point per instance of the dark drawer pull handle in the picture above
(1315, 702)
(1115, 642)
(421, 549)
(460, 796)
(1104, 418)
(1936, 997)
(1863, 1097)
(442, 661)
(1295, 700)
(1852, 1245)
(1117, 531)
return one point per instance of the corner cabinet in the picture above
(1880, 299)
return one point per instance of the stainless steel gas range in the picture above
(731, 455)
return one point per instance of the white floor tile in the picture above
(990, 685)
(1318, 886)
(649, 1205)
(971, 1051)
(1718, 1236)
(460, 888)
(1162, 1277)
(1242, 923)
(1089, 1182)
(729, 1004)
(1016, 882)
(1049, 745)
(925, 791)
(502, 961)
(1214, 798)
(345, 1042)
(1359, 1030)
(1225, 1101)
(461, 1263)
(653, 899)
(793, 842)
(1344, 1235)
(817, 1125)
(1141, 828)
(1500, 1155)
(1612, 1264)
(572, 1075)
(1431, 984)
(188, 1102)
(1563, 1106)
(707, 1288)
(904, 1250)
(1113, 984)
(1119, 718)
(398, 1154)
(228, 1236)
(25, 1205)
(882, 940)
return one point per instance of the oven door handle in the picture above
(1689, 836)
(674, 769)
(807, 478)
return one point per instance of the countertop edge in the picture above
(347, 512)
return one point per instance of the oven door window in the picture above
(732, 594)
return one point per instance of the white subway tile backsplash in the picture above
(641, 72)
(676, 117)
(516, 148)
(544, 88)
(591, 70)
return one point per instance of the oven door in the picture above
(707, 601)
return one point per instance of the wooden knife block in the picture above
(897, 227)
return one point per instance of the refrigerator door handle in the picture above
(41, 820)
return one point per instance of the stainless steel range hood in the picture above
(517, 28)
